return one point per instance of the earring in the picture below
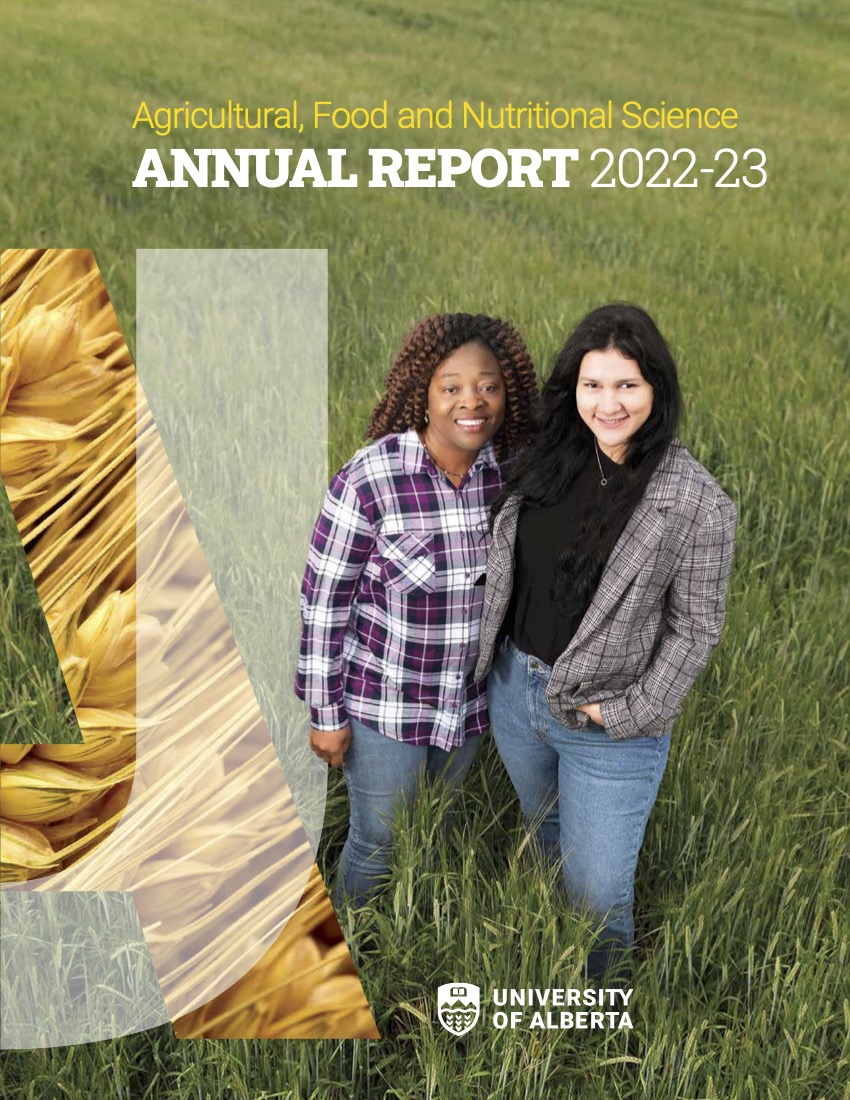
(426, 418)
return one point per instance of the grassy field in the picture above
(34, 702)
(742, 986)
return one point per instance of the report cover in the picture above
(220, 228)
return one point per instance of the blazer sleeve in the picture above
(694, 615)
(343, 539)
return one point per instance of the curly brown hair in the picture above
(405, 400)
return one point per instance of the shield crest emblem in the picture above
(458, 1006)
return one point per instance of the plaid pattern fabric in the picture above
(657, 614)
(389, 605)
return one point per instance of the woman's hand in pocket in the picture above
(331, 745)
(593, 712)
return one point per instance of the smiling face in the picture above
(466, 406)
(613, 399)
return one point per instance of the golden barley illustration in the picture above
(176, 794)
(304, 986)
(67, 434)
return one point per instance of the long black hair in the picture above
(562, 443)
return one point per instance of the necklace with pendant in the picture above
(604, 480)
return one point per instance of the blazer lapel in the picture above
(504, 532)
(637, 544)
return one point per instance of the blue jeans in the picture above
(588, 796)
(382, 776)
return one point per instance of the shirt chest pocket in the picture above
(407, 561)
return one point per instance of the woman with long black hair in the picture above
(606, 587)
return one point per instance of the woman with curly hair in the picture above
(606, 587)
(390, 605)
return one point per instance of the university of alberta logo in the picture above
(458, 1007)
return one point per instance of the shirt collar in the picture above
(415, 459)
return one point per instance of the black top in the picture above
(535, 622)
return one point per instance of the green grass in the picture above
(733, 997)
(34, 702)
(742, 987)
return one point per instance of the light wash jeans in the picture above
(588, 796)
(382, 775)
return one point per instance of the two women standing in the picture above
(606, 582)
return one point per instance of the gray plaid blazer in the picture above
(657, 614)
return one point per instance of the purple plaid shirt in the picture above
(389, 604)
